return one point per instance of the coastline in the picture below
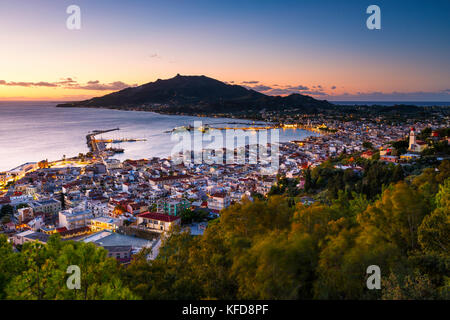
(71, 129)
(205, 115)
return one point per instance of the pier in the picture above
(95, 146)
(118, 140)
(98, 146)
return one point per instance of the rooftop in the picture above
(108, 239)
(158, 216)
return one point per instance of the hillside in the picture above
(196, 94)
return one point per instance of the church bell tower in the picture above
(412, 139)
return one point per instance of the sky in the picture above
(315, 47)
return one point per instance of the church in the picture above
(415, 145)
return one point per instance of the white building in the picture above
(415, 145)
(105, 223)
(157, 222)
(51, 206)
(98, 208)
(219, 201)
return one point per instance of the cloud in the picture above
(96, 85)
(299, 87)
(250, 82)
(315, 93)
(28, 84)
(440, 95)
(319, 91)
(155, 56)
(70, 83)
(260, 88)
(276, 90)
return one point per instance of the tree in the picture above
(170, 275)
(62, 199)
(397, 174)
(397, 215)
(44, 272)
(277, 267)
(308, 186)
(367, 145)
(188, 216)
(6, 219)
(401, 146)
(424, 134)
(410, 286)
(11, 263)
(434, 232)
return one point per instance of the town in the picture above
(130, 205)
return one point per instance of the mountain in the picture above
(197, 94)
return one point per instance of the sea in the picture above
(34, 131)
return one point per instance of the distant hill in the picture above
(197, 94)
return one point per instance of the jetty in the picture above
(97, 147)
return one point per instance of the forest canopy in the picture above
(270, 248)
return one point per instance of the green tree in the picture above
(397, 215)
(44, 274)
(367, 145)
(412, 286)
(277, 267)
(6, 209)
(434, 232)
(11, 263)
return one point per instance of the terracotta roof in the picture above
(74, 231)
(168, 178)
(158, 216)
(5, 200)
(219, 195)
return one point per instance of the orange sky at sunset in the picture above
(307, 50)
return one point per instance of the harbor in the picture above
(322, 129)
(98, 147)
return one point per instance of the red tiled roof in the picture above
(74, 231)
(219, 195)
(5, 200)
(158, 216)
(167, 178)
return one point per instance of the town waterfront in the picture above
(34, 131)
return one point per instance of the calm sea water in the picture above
(33, 131)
